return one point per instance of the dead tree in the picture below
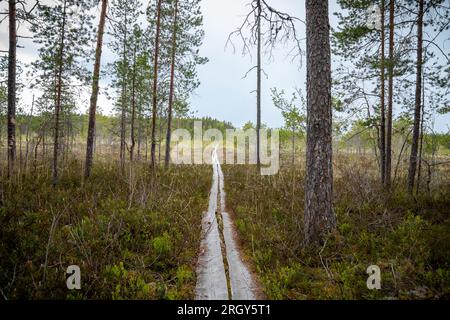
(265, 27)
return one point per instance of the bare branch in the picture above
(279, 28)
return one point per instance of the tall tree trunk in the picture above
(146, 142)
(12, 87)
(122, 129)
(95, 89)
(58, 98)
(160, 128)
(382, 144)
(387, 180)
(319, 215)
(258, 88)
(422, 115)
(155, 84)
(139, 142)
(171, 93)
(417, 104)
(133, 106)
(124, 101)
(66, 137)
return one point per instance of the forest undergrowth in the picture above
(135, 239)
(407, 237)
(130, 240)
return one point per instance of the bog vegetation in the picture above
(407, 238)
(132, 239)
(364, 178)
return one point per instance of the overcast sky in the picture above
(223, 93)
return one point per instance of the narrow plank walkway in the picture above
(211, 277)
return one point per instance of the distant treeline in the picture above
(107, 126)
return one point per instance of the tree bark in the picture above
(133, 106)
(417, 104)
(387, 180)
(12, 88)
(171, 93)
(422, 115)
(155, 85)
(139, 142)
(319, 215)
(95, 89)
(58, 99)
(160, 128)
(382, 145)
(124, 101)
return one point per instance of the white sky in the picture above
(223, 94)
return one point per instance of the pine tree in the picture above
(124, 15)
(431, 19)
(12, 87)
(319, 215)
(418, 96)
(155, 84)
(187, 37)
(95, 89)
(361, 88)
(172, 78)
(140, 77)
(388, 168)
(63, 31)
